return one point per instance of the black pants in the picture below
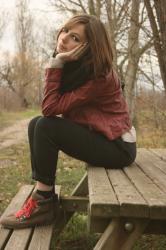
(48, 135)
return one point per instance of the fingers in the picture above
(74, 54)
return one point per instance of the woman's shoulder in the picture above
(112, 79)
(107, 81)
(112, 75)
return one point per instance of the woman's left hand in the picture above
(73, 54)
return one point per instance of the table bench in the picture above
(121, 205)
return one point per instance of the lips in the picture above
(61, 47)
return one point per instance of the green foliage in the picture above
(75, 236)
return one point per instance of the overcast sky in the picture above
(43, 13)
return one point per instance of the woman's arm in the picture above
(54, 103)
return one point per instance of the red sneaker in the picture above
(36, 211)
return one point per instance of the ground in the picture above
(14, 134)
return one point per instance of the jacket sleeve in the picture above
(54, 103)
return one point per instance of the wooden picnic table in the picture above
(126, 203)
(121, 205)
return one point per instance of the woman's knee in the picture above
(32, 123)
(45, 123)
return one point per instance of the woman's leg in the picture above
(31, 128)
(48, 135)
(52, 134)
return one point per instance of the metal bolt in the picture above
(129, 226)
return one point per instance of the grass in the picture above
(15, 172)
(150, 134)
(8, 118)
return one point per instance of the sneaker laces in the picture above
(27, 209)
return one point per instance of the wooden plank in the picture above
(131, 202)
(153, 158)
(160, 152)
(116, 237)
(42, 235)
(152, 167)
(15, 204)
(41, 238)
(81, 188)
(96, 224)
(156, 227)
(155, 197)
(74, 203)
(19, 239)
(4, 237)
(102, 199)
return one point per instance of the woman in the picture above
(94, 127)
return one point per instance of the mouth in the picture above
(61, 48)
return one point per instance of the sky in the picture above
(43, 13)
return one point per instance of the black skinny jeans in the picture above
(48, 135)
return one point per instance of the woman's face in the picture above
(69, 38)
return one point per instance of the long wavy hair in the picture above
(95, 62)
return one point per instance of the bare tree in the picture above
(135, 51)
(10, 76)
(22, 73)
(157, 18)
(93, 7)
(23, 31)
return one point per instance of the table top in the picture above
(138, 190)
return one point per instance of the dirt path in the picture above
(14, 134)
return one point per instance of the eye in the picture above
(64, 29)
(75, 38)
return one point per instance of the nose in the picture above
(65, 38)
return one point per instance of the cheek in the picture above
(68, 42)
(59, 38)
(72, 45)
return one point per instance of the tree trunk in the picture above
(111, 29)
(159, 35)
(133, 57)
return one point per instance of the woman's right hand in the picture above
(73, 54)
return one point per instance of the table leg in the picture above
(64, 216)
(121, 234)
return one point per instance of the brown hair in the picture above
(100, 50)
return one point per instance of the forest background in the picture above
(28, 29)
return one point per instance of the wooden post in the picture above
(64, 216)
(118, 236)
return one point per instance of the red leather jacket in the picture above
(98, 104)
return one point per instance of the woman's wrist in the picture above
(55, 62)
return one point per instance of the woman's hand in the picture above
(73, 54)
